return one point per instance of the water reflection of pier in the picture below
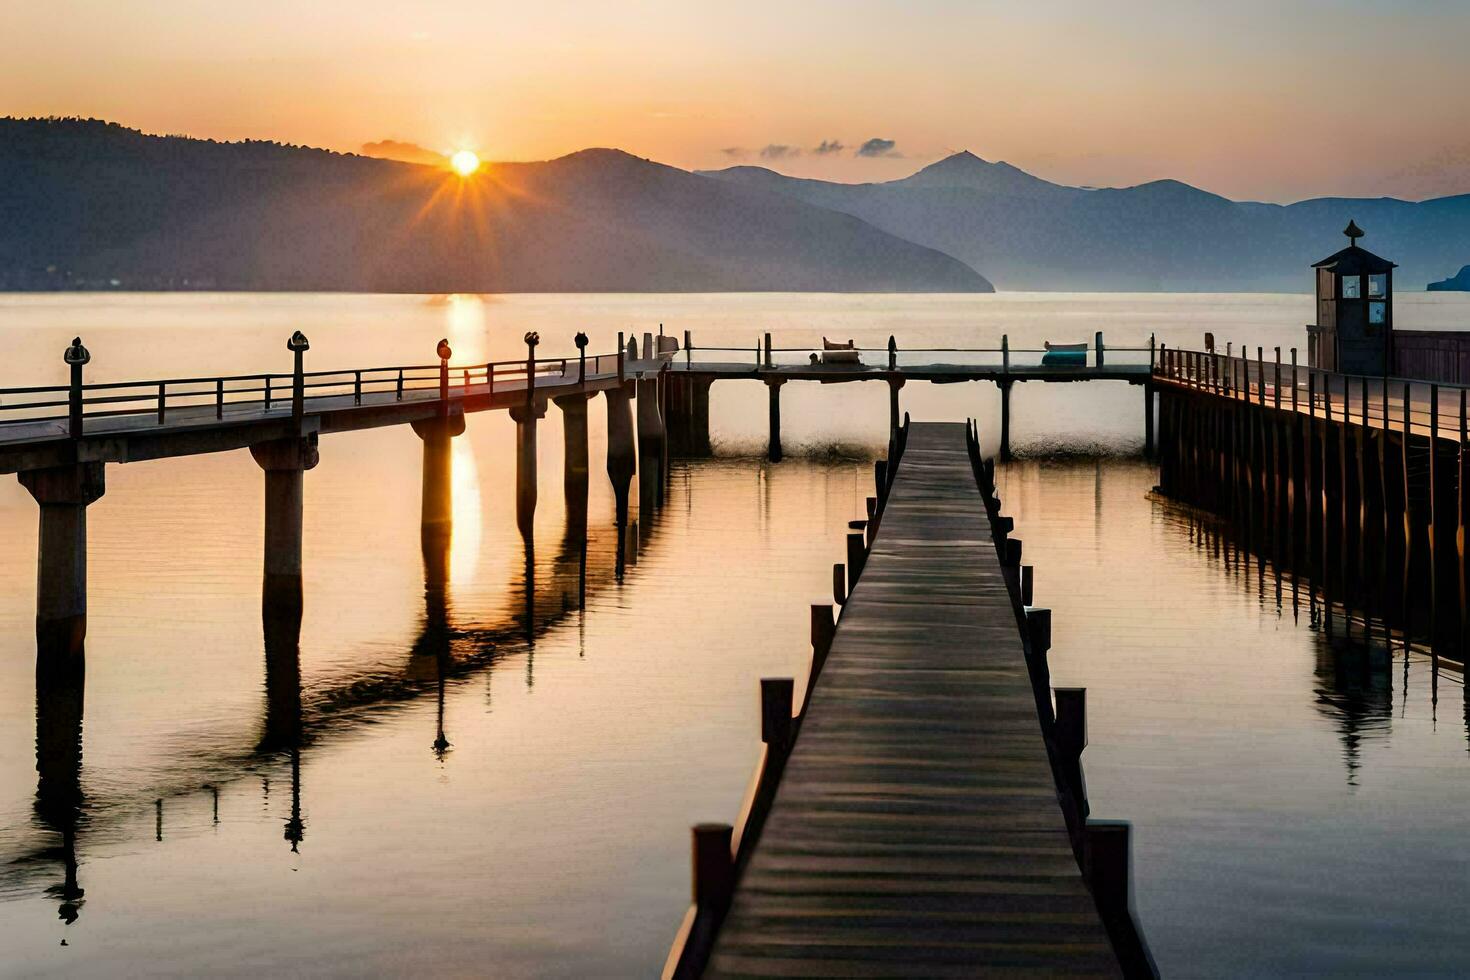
(1356, 656)
(588, 557)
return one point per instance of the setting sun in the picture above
(464, 162)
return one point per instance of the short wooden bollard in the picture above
(1038, 629)
(1038, 637)
(839, 583)
(1028, 578)
(856, 556)
(1004, 525)
(714, 866)
(880, 479)
(777, 695)
(1010, 553)
(1071, 730)
(823, 632)
(1108, 869)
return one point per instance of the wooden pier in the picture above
(1360, 485)
(929, 820)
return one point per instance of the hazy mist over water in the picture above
(1292, 813)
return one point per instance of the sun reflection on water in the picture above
(464, 547)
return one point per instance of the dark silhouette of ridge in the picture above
(1029, 233)
(1459, 282)
(90, 204)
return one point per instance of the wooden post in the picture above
(892, 353)
(622, 370)
(773, 444)
(776, 702)
(768, 351)
(823, 632)
(839, 584)
(1099, 341)
(1108, 866)
(855, 560)
(1028, 579)
(1005, 354)
(1293, 379)
(713, 864)
(1005, 420)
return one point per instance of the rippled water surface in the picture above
(1297, 805)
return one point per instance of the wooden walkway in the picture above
(916, 830)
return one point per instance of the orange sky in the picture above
(1350, 97)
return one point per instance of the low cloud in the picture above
(779, 151)
(829, 146)
(735, 152)
(876, 147)
(404, 152)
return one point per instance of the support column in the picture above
(61, 566)
(574, 434)
(1148, 421)
(650, 444)
(622, 459)
(894, 416)
(436, 501)
(525, 417)
(1005, 420)
(285, 462)
(773, 444)
(699, 416)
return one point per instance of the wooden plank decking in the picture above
(916, 830)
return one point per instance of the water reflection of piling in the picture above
(281, 622)
(60, 696)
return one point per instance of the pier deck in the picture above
(916, 830)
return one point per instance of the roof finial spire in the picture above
(1353, 232)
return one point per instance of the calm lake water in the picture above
(1294, 811)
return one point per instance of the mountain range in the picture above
(84, 203)
(1024, 232)
(91, 204)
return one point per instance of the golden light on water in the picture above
(464, 547)
(464, 162)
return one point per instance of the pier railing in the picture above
(762, 354)
(1380, 402)
(223, 396)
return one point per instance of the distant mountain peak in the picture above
(966, 169)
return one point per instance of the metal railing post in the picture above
(1099, 341)
(162, 401)
(267, 393)
(688, 348)
(1005, 354)
(357, 387)
(532, 338)
(581, 341)
(219, 398)
(445, 352)
(298, 346)
(76, 355)
(622, 353)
